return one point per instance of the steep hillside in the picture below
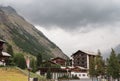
(24, 37)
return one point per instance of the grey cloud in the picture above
(70, 13)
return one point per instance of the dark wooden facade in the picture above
(1, 45)
(53, 70)
(3, 55)
(59, 61)
(77, 69)
(80, 59)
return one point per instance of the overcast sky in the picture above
(74, 24)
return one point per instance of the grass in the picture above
(11, 74)
(16, 74)
(33, 75)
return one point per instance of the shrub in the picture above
(20, 61)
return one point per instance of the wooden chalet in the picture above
(56, 72)
(78, 69)
(3, 55)
(53, 70)
(59, 60)
(80, 72)
(1, 45)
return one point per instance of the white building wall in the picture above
(2, 63)
(72, 61)
(88, 62)
(80, 75)
(38, 72)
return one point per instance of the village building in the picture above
(81, 63)
(55, 72)
(82, 58)
(3, 55)
(80, 72)
(55, 69)
(1, 45)
(79, 66)
(59, 60)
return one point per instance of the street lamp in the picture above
(67, 73)
(28, 66)
(29, 74)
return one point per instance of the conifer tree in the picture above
(99, 64)
(113, 67)
(92, 68)
(20, 60)
(33, 64)
(49, 76)
(39, 60)
(10, 50)
(118, 56)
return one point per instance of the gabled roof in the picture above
(58, 70)
(5, 54)
(75, 69)
(90, 52)
(86, 52)
(2, 41)
(78, 69)
(50, 62)
(58, 58)
(81, 67)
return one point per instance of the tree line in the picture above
(18, 59)
(108, 68)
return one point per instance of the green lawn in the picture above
(11, 74)
(16, 74)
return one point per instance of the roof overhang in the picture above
(5, 54)
(2, 41)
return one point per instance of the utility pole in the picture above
(28, 66)
(29, 74)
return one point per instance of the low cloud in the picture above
(92, 24)
(100, 38)
(68, 14)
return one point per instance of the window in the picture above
(83, 58)
(83, 74)
(72, 75)
(82, 62)
(75, 74)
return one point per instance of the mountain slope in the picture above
(24, 37)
